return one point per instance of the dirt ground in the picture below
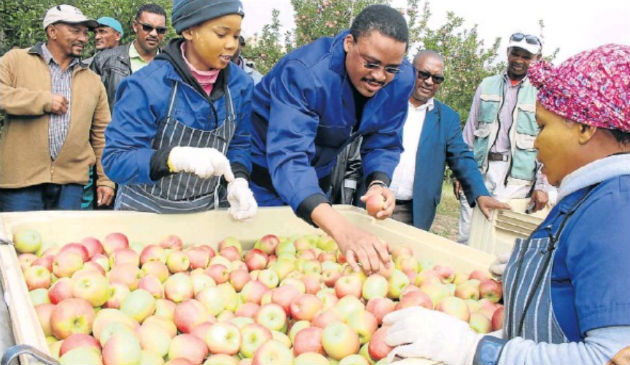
(445, 222)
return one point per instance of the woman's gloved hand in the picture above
(241, 199)
(203, 162)
(429, 334)
(497, 268)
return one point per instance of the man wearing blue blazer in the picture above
(432, 138)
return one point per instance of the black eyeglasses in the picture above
(531, 39)
(149, 28)
(437, 79)
(375, 66)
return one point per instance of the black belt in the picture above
(498, 156)
(260, 176)
(404, 202)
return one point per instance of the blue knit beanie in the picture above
(188, 13)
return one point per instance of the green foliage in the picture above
(21, 24)
(266, 50)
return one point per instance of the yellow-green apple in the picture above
(497, 318)
(364, 324)
(273, 352)
(415, 298)
(231, 253)
(189, 314)
(396, 283)
(267, 243)
(325, 317)
(241, 322)
(406, 263)
(253, 291)
(312, 266)
(122, 348)
(139, 304)
(165, 308)
(219, 273)
(188, 347)
(54, 347)
(435, 290)
(308, 340)
(152, 253)
(153, 285)
(326, 244)
(281, 337)
(446, 273)
(165, 323)
(311, 358)
(117, 294)
(455, 307)
(378, 348)
(126, 274)
(230, 242)
(354, 359)
(479, 275)
(374, 204)
(198, 256)
(328, 297)
(427, 277)
(101, 260)
(253, 336)
(78, 340)
(272, 316)
(223, 338)
(375, 286)
(348, 285)
(149, 357)
(269, 278)
(107, 316)
(347, 305)
(67, 262)
(294, 282)
(302, 243)
(340, 340)
(39, 296)
(247, 310)
(157, 268)
(173, 242)
(211, 298)
(282, 266)
(286, 248)
(82, 355)
(26, 260)
(44, 312)
(177, 261)
(305, 306)
(93, 246)
(37, 277)
(491, 290)
(284, 295)
(226, 316)
(72, 315)
(92, 287)
(178, 287)
(229, 296)
(114, 241)
(479, 322)
(27, 241)
(221, 359)
(379, 307)
(468, 289)
(238, 279)
(124, 255)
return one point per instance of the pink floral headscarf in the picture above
(592, 87)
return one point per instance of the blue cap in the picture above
(112, 23)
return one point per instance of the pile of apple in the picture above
(289, 300)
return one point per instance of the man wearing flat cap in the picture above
(57, 113)
(501, 129)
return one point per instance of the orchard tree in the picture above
(265, 50)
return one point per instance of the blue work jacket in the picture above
(303, 113)
(142, 102)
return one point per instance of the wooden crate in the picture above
(198, 228)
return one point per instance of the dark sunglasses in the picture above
(149, 28)
(437, 79)
(531, 39)
(375, 66)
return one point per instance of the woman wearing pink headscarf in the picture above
(567, 287)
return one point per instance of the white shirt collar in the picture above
(428, 105)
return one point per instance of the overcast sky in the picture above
(572, 26)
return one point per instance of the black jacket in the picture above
(112, 65)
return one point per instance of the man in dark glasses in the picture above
(113, 65)
(501, 129)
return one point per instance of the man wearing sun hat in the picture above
(501, 129)
(52, 135)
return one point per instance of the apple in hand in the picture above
(374, 204)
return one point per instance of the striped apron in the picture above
(181, 192)
(527, 285)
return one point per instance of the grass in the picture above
(447, 214)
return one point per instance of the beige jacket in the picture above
(26, 98)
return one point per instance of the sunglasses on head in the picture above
(149, 28)
(531, 39)
(437, 79)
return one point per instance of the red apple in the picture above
(60, 290)
(93, 246)
(267, 243)
(326, 317)
(374, 204)
(198, 257)
(231, 253)
(189, 314)
(380, 307)
(78, 340)
(284, 296)
(219, 273)
(348, 285)
(238, 279)
(72, 315)
(491, 289)
(497, 318)
(256, 259)
(378, 348)
(247, 310)
(308, 340)
(114, 241)
(173, 242)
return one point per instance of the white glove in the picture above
(497, 268)
(433, 335)
(203, 162)
(242, 202)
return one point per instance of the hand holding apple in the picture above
(379, 201)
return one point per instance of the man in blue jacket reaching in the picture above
(315, 101)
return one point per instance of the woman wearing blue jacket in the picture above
(182, 122)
